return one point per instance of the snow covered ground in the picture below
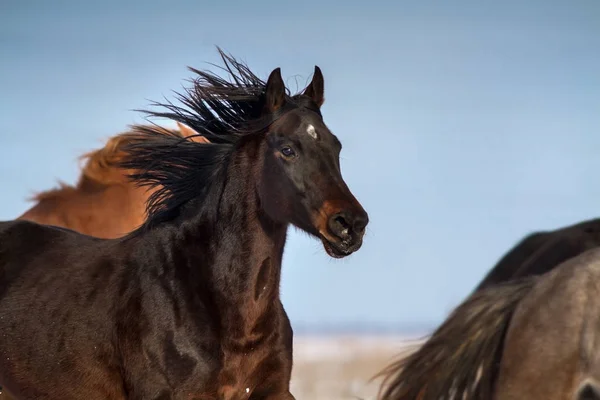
(341, 367)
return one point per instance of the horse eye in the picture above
(288, 152)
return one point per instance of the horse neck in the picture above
(248, 244)
(234, 253)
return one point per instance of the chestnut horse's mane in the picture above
(101, 165)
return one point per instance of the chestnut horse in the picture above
(104, 203)
(187, 306)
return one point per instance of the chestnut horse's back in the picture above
(92, 208)
(104, 203)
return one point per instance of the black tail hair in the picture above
(460, 359)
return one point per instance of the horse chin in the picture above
(333, 251)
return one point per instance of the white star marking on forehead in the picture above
(311, 131)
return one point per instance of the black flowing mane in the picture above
(219, 109)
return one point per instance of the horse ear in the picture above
(186, 131)
(275, 91)
(316, 88)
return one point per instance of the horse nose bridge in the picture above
(336, 190)
(351, 205)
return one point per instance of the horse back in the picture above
(22, 242)
(541, 252)
(54, 304)
(104, 211)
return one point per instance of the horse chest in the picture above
(251, 372)
(251, 362)
(255, 352)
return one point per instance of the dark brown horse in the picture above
(187, 306)
(540, 252)
(104, 203)
(537, 338)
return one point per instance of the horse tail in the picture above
(461, 358)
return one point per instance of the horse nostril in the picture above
(341, 221)
(340, 226)
(344, 225)
(360, 224)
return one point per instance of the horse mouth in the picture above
(334, 250)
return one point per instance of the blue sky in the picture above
(465, 124)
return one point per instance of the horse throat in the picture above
(240, 253)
